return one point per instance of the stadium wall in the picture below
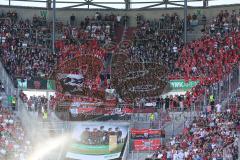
(64, 14)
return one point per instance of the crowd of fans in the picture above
(39, 104)
(154, 40)
(14, 144)
(206, 138)
(210, 58)
(225, 22)
(25, 52)
(137, 79)
(13, 140)
(26, 44)
(25, 47)
(99, 27)
(157, 40)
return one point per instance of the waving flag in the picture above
(71, 83)
(72, 79)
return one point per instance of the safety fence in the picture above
(231, 152)
(222, 90)
(7, 81)
(225, 92)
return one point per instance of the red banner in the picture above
(85, 110)
(146, 145)
(147, 133)
(92, 110)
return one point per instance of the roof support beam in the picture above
(175, 4)
(127, 4)
(77, 5)
(49, 4)
(98, 5)
(88, 3)
(205, 3)
(154, 5)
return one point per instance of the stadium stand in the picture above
(13, 139)
(137, 62)
(150, 30)
(158, 40)
(25, 48)
(207, 137)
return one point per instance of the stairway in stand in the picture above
(119, 33)
(130, 33)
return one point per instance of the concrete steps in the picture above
(195, 34)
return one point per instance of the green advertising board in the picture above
(22, 83)
(180, 84)
(44, 14)
(51, 85)
(10, 98)
(36, 84)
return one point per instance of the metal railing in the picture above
(221, 90)
(7, 81)
(228, 151)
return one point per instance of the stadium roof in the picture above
(117, 4)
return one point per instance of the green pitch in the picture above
(79, 148)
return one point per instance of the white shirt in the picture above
(202, 134)
(219, 108)
(160, 155)
(169, 154)
(3, 151)
(175, 49)
(194, 69)
(10, 121)
(119, 18)
(107, 28)
(172, 142)
(212, 27)
(94, 28)
(175, 156)
(186, 154)
(96, 15)
(180, 155)
(225, 25)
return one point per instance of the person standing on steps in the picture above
(151, 118)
